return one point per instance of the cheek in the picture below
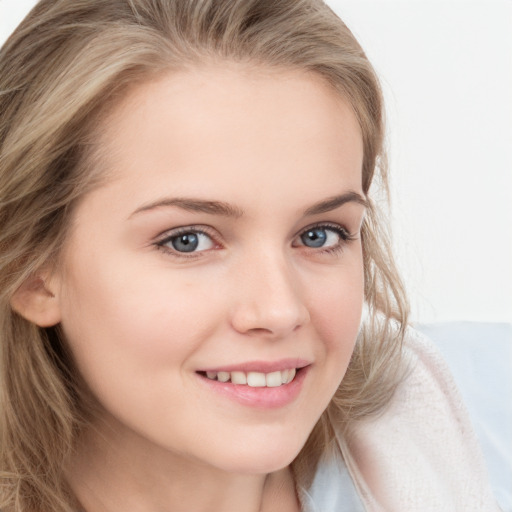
(133, 344)
(337, 320)
(337, 305)
(120, 327)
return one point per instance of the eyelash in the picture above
(345, 238)
(186, 230)
(344, 235)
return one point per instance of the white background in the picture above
(446, 69)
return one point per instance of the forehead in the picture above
(236, 124)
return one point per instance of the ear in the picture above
(35, 301)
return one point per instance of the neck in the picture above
(109, 472)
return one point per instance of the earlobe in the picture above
(35, 301)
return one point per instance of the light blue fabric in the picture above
(332, 489)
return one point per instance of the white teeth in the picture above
(255, 379)
(273, 379)
(223, 376)
(238, 378)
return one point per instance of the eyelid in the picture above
(338, 228)
(166, 236)
(193, 228)
(345, 238)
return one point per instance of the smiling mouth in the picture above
(254, 379)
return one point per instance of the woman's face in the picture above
(224, 245)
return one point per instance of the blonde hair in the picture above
(66, 65)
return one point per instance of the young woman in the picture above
(199, 309)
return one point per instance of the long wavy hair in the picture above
(61, 71)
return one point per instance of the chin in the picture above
(263, 457)
(258, 466)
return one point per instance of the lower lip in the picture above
(262, 398)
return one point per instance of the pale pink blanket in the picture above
(421, 454)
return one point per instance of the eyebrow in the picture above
(334, 202)
(228, 210)
(194, 205)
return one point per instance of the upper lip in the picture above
(260, 366)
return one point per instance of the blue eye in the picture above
(323, 236)
(315, 237)
(187, 242)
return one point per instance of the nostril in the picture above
(259, 330)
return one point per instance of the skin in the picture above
(141, 318)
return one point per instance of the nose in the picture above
(268, 301)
